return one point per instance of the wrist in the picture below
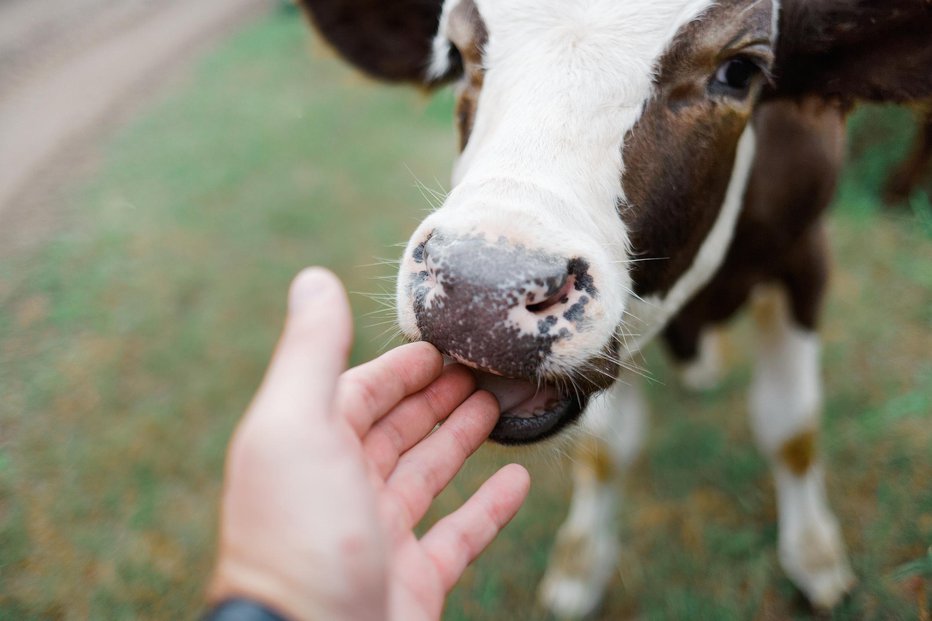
(236, 582)
(240, 609)
(333, 597)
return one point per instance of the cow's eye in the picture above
(734, 77)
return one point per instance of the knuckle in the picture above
(434, 401)
(461, 439)
(394, 435)
(463, 545)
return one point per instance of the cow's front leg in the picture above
(585, 554)
(785, 407)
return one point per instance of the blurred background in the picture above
(166, 168)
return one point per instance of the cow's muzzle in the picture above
(507, 311)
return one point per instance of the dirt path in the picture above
(71, 72)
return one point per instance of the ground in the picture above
(74, 72)
(134, 331)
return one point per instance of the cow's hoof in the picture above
(580, 568)
(705, 372)
(814, 558)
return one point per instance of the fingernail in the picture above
(309, 286)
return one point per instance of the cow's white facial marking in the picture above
(568, 113)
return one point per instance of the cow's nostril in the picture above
(420, 252)
(561, 296)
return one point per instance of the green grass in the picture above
(131, 341)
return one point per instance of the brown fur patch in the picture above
(571, 555)
(799, 452)
(595, 456)
(468, 33)
(768, 308)
(387, 40)
(680, 155)
(779, 237)
(854, 49)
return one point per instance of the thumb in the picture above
(313, 348)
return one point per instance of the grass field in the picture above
(132, 340)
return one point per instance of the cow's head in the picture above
(606, 146)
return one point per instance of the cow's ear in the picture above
(879, 50)
(387, 39)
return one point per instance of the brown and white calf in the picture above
(629, 169)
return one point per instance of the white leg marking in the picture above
(785, 406)
(585, 554)
(705, 372)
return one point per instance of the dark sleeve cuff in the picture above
(241, 610)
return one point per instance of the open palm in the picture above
(330, 471)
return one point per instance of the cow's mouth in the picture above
(531, 410)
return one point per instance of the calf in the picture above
(629, 169)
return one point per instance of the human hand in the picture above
(329, 472)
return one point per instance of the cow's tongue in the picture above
(518, 397)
